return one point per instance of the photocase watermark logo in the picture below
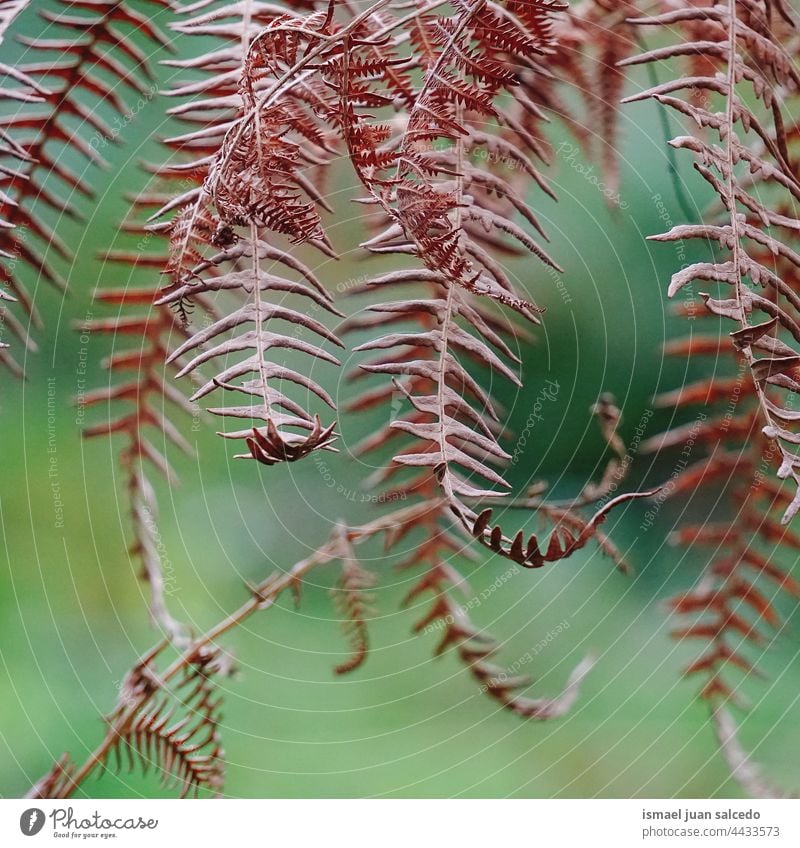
(31, 821)
(65, 823)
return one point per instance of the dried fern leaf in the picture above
(353, 601)
(81, 38)
(175, 731)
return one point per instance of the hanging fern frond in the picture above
(353, 601)
(21, 88)
(248, 329)
(300, 68)
(145, 390)
(475, 649)
(733, 606)
(740, 62)
(255, 181)
(193, 247)
(89, 50)
(747, 165)
(453, 215)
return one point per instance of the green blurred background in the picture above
(72, 612)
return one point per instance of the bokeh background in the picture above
(72, 611)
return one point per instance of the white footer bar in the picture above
(401, 823)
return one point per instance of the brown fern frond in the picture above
(353, 601)
(23, 89)
(453, 215)
(145, 390)
(748, 162)
(192, 250)
(732, 609)
(83, 38)
(440, 583)
(253, 180)
(176, 730)
(248, 330)
(749, 171)
(475, 649)
(169, 718)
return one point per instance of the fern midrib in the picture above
(257, 305)
(432, 76)
(448, 319)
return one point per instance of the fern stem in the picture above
(259, 318)
(448, 318)
(729, 135)
(263, 596)
(143, 518)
